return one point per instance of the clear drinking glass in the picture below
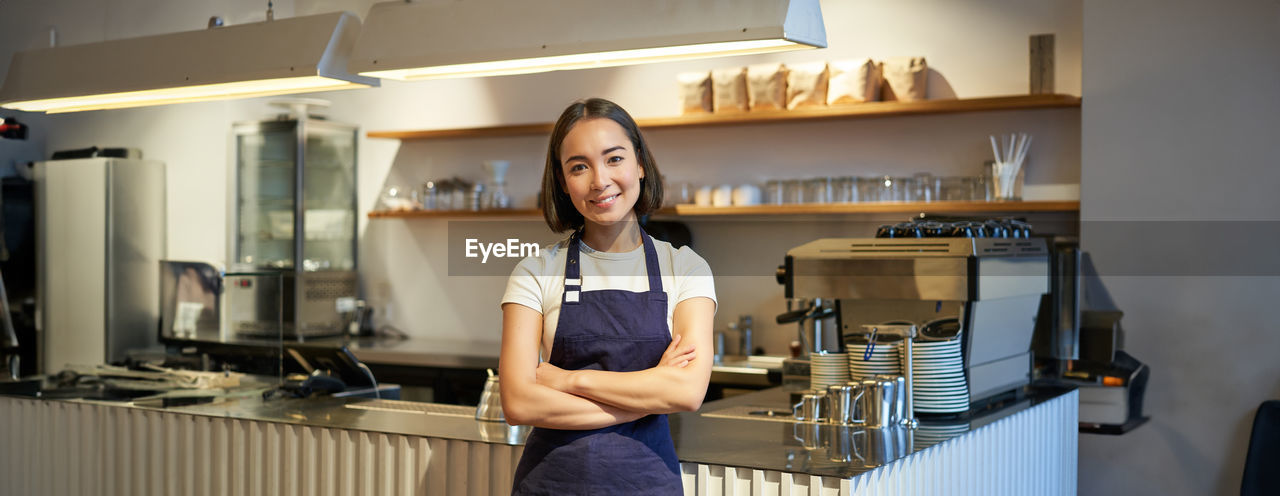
(818, 190)
(1004, 180)
(869, 189)
(926, 187)
(845, 189)
(794, 191)
(774, 192)
(890, 189)
(905, 188)
(955, 188)
(977, 187)
(680, 193)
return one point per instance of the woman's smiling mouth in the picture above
(606, 201)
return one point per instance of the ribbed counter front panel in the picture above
(67, 448)
(62, 448)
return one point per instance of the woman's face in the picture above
(601, 172)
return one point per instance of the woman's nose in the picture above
(599, 179)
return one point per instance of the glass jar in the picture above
(430, 195)
(475, 197)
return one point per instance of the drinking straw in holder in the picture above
(1008, 162)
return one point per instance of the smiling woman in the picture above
(618, 316)
(597, 141)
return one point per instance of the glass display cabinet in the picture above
(292, 175)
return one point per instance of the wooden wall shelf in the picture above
(455, 214)
(943, 207)
(852, 111)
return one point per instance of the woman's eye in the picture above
(615, 159)
(577, 167)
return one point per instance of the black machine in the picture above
(18, 276)
(327, 370)
(337, 362)
(1079, 341)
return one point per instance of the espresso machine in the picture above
(991, 286)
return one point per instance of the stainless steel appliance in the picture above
(992, 285)
(293, 212)
(190, 301)
(100, 230)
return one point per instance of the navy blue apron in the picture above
(614, 330)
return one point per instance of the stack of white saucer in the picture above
(882, 360)
(938, 370)
(827, 369)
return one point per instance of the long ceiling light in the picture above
(469, 38)
(300, 54)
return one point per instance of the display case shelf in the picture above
(850, 111)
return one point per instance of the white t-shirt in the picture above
(538, 282)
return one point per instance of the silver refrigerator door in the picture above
(101, 233)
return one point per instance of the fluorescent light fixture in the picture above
(300, 54)
(472, 38)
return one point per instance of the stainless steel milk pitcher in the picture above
(844, 403)
(879, 401)
(811, 408)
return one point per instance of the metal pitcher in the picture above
(844, 403)
(879, 401)
(490, 406)
(811, 408)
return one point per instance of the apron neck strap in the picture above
(573, 269)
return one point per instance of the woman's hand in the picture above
(553, 377)
(676, 355)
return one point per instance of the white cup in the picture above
(703, 197)
(722, 196)
(746, 194)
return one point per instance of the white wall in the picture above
(976, 48)
(1178, 126)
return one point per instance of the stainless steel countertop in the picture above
(413, 351)
(786, 446)
(761, 444)
(385, 416)
(444, 353)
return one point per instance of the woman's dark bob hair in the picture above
(557, 209)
